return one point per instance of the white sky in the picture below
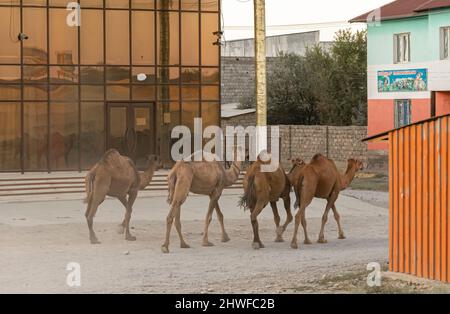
(238, 14)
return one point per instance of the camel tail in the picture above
(298, 192)
(89, 183)
(248, 200)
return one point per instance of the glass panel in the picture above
(190, 76)
(210, 114)
(117, 37)
(190, 92)
(92, 92)
(118, 92)
(190, 110)
(210, 52)
(210, 93)
(92, 135)
(64, 74)
(143, 37)
(117, 4)
(210, 5)
(144, 75)
(169, 92)
(117, 128)
(63, 39)
(190, 5)
(63, 136)
(91, 37)
(35, 2)
(168, 38)
(35, 74)
(9, 92)
(10, 141)
(10, 26)
(92, 75)
(63, 92)
(117, 75)
(167, 4)
(189, 39)
(142, 92)
(35, 27)
(91, 4)
(35, 92)
(168, 75)
(143, 4)
(9, 74)
(35, 136)
(210, 76)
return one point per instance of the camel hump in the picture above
(110, 154)
(318, 157)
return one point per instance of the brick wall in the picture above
(238, 77)
(338, 143)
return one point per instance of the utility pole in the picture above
(260, 79)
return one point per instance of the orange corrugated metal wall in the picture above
(419, 227)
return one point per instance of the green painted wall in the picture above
(425, 37)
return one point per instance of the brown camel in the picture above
(115, 175)
(261, 188)
(320, 178)
(199, 177)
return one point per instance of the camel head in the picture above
(296, 162)
(355, 164)
(154, 162)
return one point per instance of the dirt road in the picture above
(38, 240)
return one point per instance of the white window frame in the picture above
(402, 48)
(445, 46)
(402, 107)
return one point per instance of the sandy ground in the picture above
(39, 238)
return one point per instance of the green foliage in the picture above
(323, 87)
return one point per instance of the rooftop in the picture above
(403, 9)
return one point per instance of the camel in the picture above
(116, 175)
(261, 188)
(199, 177)
(320, 178)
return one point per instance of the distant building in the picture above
(408, 64)
(291, 43)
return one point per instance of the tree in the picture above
(323, 87)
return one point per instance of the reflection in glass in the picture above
(117, 128)
(35, 92)
(210, 93)
(143, 37)
(210, 75)
(118, 92)
(91, 75)
(189, 39)
(35, 74)
(210, 51)
(117, 75)
(64, 74)
(63, 39)
(117, 37)
(91, 37)
(9, 92)
(92, 133)
(63, 136)
(10, 141)
(35, 27)
(10, 26)
(9, 74)
(35, 122)
(92, 92)
(142, 92)
(149, 72)
(63, 92)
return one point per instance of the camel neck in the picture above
(232, 174)
(147, 176)
(348, 177)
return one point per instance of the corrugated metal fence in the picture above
(419, 226)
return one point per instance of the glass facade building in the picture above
(123, 78)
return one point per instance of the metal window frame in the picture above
(47, 7)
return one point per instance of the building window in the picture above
(402, 112)
(402, 50)
(445, 42)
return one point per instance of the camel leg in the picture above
(169, 222)
(289, 217)
(131, 199)
(207, 222)
(183, 243)
(93, 205)
(257, 244)
(277, 219)
(225, 237)
(124, 202)
(337, 217)
(303, 215)
(298, 217)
